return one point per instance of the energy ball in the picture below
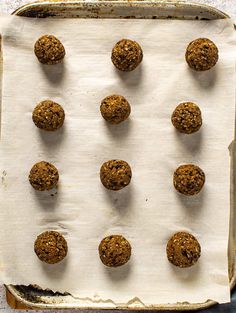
(183, 249)
(114, 251)
(48, 115)
(188, 179)
(126, 55)
(49, 50)
(201, 54)
(43, 176)
(115, 109)
(50, 247)
(115, 174)
(187, 118)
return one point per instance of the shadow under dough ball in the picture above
(48, 115)
(187, 118)
(114, 251)
(43, 176)
(50, 247)
(126, 55)
(115, 109)
(49, 50)
(201, 54)
(183, 249)
(188, 179)
(115, 174)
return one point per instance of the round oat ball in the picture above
(201, 54)
(115, 174)
(115, 109)
(183, 249)
(114, 251)
(188, 179)
(49, 50)
(126, 55)
(50, 247)
(43, 176)
(187, 118)
(48, 115)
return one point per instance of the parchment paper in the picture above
(147, 212)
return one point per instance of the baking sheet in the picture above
(147, 212)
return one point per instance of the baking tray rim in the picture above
(155, 4)
(177, 4)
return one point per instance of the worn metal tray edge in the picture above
(71, 302)
(120, 9)
(46, 299)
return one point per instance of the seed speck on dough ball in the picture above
(114, 251)
(126, 55)
(50, 247)
(115, 174)
(188, 179)
(43, 176)
(201, 54)
(183, 249)
(187, 118)
(115, 109)
(48, 115)
(49, 50)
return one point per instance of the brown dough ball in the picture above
(187, 118)
(114, 251)
(115, 109)
(49, 50)
(43, 176)
(115, 174)
(188, 179)
(48, 115)
(183, 249)
(50, 247)
(126, 55)
(201, 54)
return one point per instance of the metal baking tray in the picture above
(34, 296)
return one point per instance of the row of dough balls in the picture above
(201, 54)
(49, 115)
(188, 179)
(182, 249)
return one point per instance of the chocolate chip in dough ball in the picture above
(187, 118)
(201, 54)
(115, 109)
(188, 179)
(48, 115)
(114, 251)
(43, 176)
(49, 50)
(115, 174)
(50, 247)
(183, 249)
(126, 55)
